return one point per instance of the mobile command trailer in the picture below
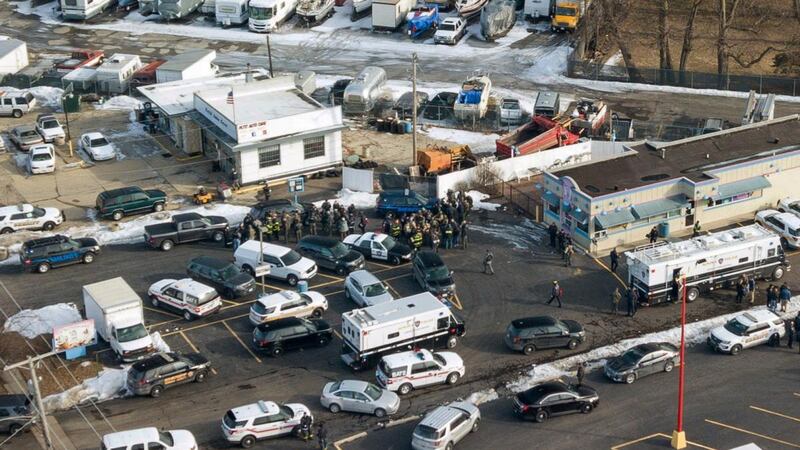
(118, 317)
(360, 95)
(268, 15)
(231, 12)
(114, 75)
(83, 9)
(417, 321)
(708, 262)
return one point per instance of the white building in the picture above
(189, 65)
(13, 56)
(268, 130)
(114, 75)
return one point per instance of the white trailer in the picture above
(118, 317)
(267, 15)
(83, 9)
(390, 14)
(538, 9)
(706, 263)
(420, 320)
(114, 75)
(231, 12)
(13, 56)
(189, 65)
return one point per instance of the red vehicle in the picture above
(539, 134)
(147, 74)
(81, 58)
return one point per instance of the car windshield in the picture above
(41, 157)
(99, 142)
(340, 250)
(510, 105)
(439, 359)
(795, 207)
(373, 290)
(166, 438)
(291, 258)
(229, 272)
(794, 231)
(736, 327)
(372, 391)
(29, 133)
(447, 27)
(286, 411)
(427, 432)
(260, 13)
(565, 11)
(48, 124)
(389, 242)
(439, 273)
(230, 421)
(632, 356)
(132, 333)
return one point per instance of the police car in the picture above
(379, 246)
(790, 205)
(163, 370)
(187, 297)
(402, 372)
(747, 330)
(261, 420)
(29, 217)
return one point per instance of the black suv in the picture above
(40, 255)
(280, 335)
(15, 412)
(330, 254)
(532, 333)
(162, 370)
(432, 274)
(224, 276)
(117, 203)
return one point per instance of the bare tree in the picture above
(664, 56)
(726, 17)
(739, 58)
(615, 12)
(797, 10)
(688, 37)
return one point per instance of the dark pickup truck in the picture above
(188, 227)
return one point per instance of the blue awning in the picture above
(741, 186)
(615, 218)
(657, 207)
(551, 198)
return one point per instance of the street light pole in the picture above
(414, 109)
(31, 363)
(269, 55)
(679, 436)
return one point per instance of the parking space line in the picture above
(235, 305)
(231, 303)
(161, 311)
(382, 265)
(183, 335)
(601, 264)
(636, 441)
(158, 324)
(327, 283)
(796, 394)
(457, 302)
(397, 277)
(203, 325)
(752, 433)
(397, 294)
(236, 336)
(336, 333)
(774, 413)
(272, 287)
(319, 274)
(390, 268)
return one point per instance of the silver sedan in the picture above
(360, 397)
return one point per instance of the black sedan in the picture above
(555, 398)
(642, 360)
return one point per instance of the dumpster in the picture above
(71, 102)
(663, 229)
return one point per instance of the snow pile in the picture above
(120, 103)
(478, 142)
(159, 344)
(346, 197)
(45, 95)
(696, 333)
(478, 203)
(108, 384)
(489, 395)
(31, 323)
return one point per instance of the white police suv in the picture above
(747, 330)
(29, 217)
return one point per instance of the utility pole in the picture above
(269, 55)
(31, 363)
(414, 109)
(678, 440)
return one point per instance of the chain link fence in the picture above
(689, 79)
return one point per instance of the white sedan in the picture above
(42, 159)
(187, 297)
(97, 146)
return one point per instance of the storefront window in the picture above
(269, 156)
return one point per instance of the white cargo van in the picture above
(118, 317)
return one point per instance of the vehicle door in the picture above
(181, 372)
(357, 292)
(139, 201)
(646, 364)
(420, 374)
(459, 427)
(347, 400)
(157, 446)
(757, 334)
(295, 308)
(85, 143)
(66, 253)
(379, 251)
(416, 269)
(174, 298)
(215, 276)
(326, 259)
(191, 230)
(22, 221)
(362, 403)
(553, 336)
(365, 247)
(268, 426)
(5, 419)
(276, 267)
(562, 403)
(296, 337)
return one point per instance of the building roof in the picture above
(9, 45)
(259, 100)
(177, 97)
(692, 158)
(186, 59)
(117, 61)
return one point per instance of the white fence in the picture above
(359, 180)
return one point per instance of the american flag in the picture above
(230, 97)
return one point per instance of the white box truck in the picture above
(418, 321)
(118, 317)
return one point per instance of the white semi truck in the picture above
(118, 317)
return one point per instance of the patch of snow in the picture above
(108, 384)
(477, 398)
(21, 159)
(159, 344)
(346, 197)
(33, 322)
(615, 60)
(696, 333)
(523, 236)
(45, 95)
(478, 203)
(478, 142)
(120, 102)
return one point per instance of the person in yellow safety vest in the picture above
(266, 230)
(416, 240)
(396, 229)
(276, 228)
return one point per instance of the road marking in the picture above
(213, 370)
(235, 305)
(774, 413)
(336, 333)
(398, 276)
(271, 286)
(236, 336)
(752, 433)
(601, 264)
(382, 265)
(161, 311)
(658, 435)
(793, 253)
(796, 394)
(232, 303)
(457, 302)
(203, 325)
(328, 283)
(158, 324)
(392, 289)
(319, 274)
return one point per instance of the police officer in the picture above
(416, 240)
(487, 262)
(396, 229)
(448, 235)
(614, 259)
(464, 235)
